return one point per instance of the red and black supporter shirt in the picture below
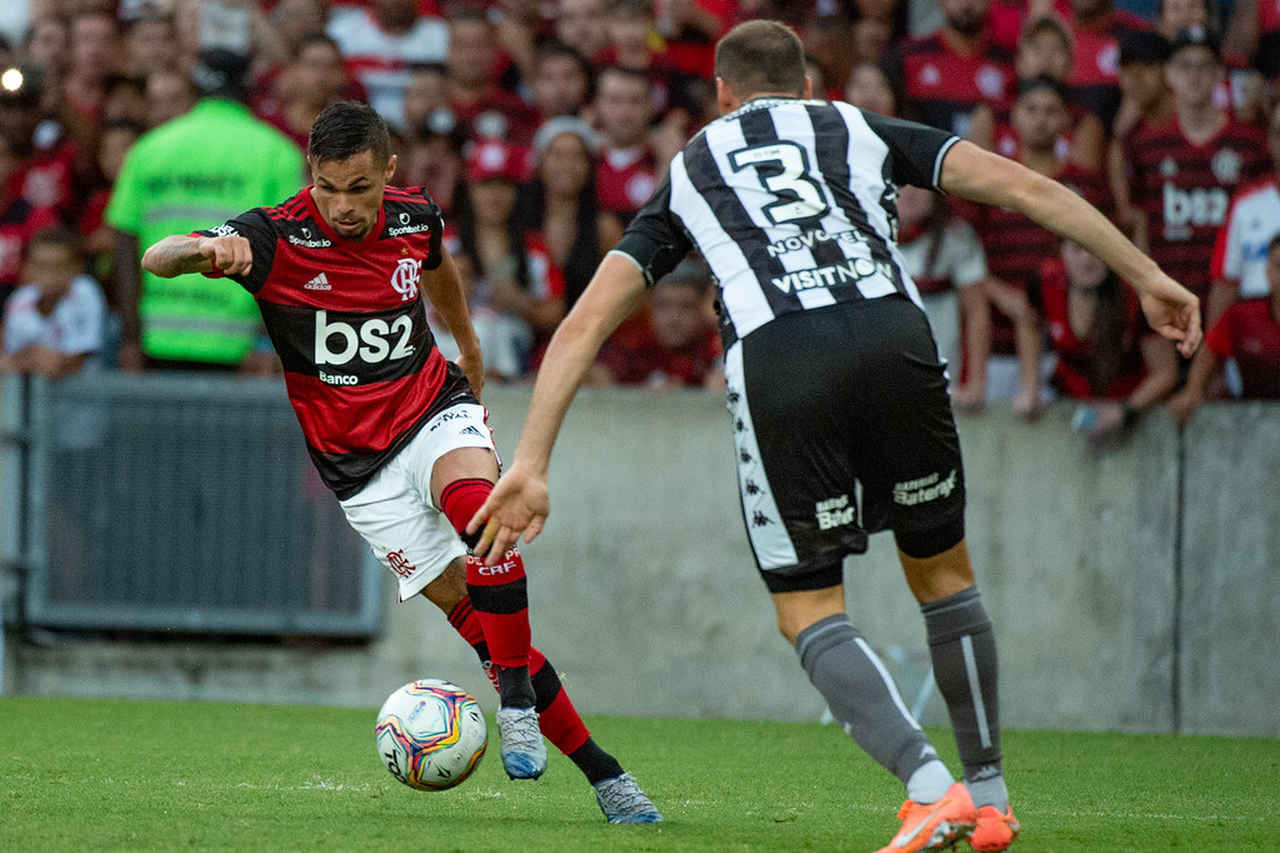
(1016, 246)
(348, 321)
(1073, 375)
(1094, 81)
(1249, 332)
(1185, 190)
(942, 85)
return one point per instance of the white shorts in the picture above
(394, 511)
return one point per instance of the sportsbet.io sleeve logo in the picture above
(405, 278)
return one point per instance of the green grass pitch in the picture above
(87, 774)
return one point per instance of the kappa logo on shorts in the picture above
(834, 512)
(400, 564)
(924, 489)
(759, 519)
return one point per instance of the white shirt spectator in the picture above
(957, 260)
(73, 328)
(1241, 251)
(382, 61)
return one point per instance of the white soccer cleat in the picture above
(524, 755)
(622, 801)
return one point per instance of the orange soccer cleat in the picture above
(935, 826)
(995, 830)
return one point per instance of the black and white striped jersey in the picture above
(792, 204)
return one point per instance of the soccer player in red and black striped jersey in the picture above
(396, 431)
(1185, 170)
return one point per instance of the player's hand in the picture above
(1173, 312)
(518, 506)
(229, 255)
(472, 366)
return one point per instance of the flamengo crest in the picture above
(405, 278)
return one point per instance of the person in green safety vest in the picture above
(204, 165)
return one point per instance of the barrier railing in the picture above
(179, 502)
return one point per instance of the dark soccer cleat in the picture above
(524, 755)
(622, 801)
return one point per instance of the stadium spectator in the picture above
(631, 28)
(433, 159)
(677, 348)
(1045, 50)
(295, 20)
(1240, 254)
(1105, 351)
(46, 46)
(1016, 246)
(871, 37)
(53, 324)
(169, 95)
(1174, 16)
(95, 54)
(1249, 333)
(945, 75)
(427, 92)
(828, 58)
(513, 266)
(1184, 170)
(563, 202)
(19, 218)
(114, 142)
(383, 41)
(1096, 27)
(151, 44)
(1144, 97)
(947, 264)
(217, 157)
(1253, 36)
(583, 24)
(690, 29)
(124, 99)
(562, 81)
(47, 178)
(871, 89)
(628, 169)
(315, 79)
(481, 106)
(503, 338)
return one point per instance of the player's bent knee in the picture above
(798, 609)
(451, 587)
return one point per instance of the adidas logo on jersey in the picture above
(320, 282)
(470, 430)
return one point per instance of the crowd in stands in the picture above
(541, 126)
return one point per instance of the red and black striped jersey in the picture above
(1016, 247)
(1185, 190)
(348, 321)
(1094, 81)
(942, 85)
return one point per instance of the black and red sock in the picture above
(557, 717)
(499, 596)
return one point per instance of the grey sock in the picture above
(963, 648)
(862, 695)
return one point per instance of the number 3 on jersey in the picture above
(783, 170)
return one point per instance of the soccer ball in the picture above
(430, 734)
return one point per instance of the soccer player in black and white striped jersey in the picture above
(834, 382)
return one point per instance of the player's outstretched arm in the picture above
(444, 289)
(179, 254)
(518, 506)
(978, 175)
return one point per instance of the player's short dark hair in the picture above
(761, 56)
(345, 129)
(56, 235)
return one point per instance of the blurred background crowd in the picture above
(541, 126)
